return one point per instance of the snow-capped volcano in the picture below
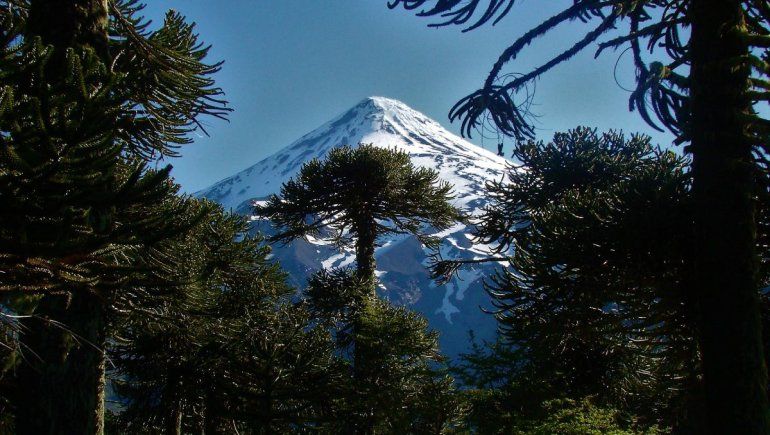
(453, 309)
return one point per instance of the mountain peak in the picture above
(382, 121)
(387, 104)
(380, 114)
(377, 103)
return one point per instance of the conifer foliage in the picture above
(594, 304)
(227, 348)
(594, 297)
(357, 195)
(88, 95)
(365, 193)
(78, 122)
(394, 382)
(702, 73)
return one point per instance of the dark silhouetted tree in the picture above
(88, 96)
(594, 299)
(227, 347)
(701, 72)
(361, 193)
(399, 386)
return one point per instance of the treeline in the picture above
(130, 308)
(236, 350)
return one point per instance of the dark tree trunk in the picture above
(365, 243)
(725, 258)
(174, 421)
(209, 424)
(61, 384)
(365, 266)
(62, 379)
(174, 409)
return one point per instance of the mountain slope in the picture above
(452, 309)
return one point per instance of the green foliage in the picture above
(84, 106)
(165, 81)
(354, 186)
(594, 300)
(572, 417)
(60, 173)
(596, 224)
(282, 375)
(507, 392)
(701, 72)
(394, 355)
(364, 193)
(66, 170)
(72, 177)
(228, 347)
(336, 297)
(394, 382)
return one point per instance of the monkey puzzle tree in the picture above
(398, 386)
(88, 96)
(228, 347)
(360, 195)
(594, 296)
(703, 83)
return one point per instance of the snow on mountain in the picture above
(453, 309)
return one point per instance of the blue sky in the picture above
(291, 65)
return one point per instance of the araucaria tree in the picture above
(88, 95)
(226, 349)
(594, 298)
(701, 72)
(358, 195)
(361, 194)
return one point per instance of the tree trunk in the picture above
(101, 388)
(62, 377)
(61, 380)
(174, 420)
(174, 404)
(365, 262)
(725, 259)
(365, 267)
(209, 422)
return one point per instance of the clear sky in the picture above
(292, 65)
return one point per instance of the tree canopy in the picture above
(89, 96)
(366, 183)
(364, 193)
(702, 73)
(593, 300)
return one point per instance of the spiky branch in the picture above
(653, 32)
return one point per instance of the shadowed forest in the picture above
(628, 279)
